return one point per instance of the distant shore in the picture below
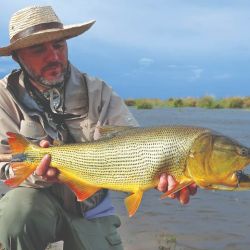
(203, 102)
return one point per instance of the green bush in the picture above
(206, 102)
(178, 103)
(189, 102)
(203, 102)
(247, 102)
(236, 102)
(144, 105)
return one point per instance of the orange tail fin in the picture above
(17, 142)
(22, 169)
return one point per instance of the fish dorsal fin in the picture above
(109, 131)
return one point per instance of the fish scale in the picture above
(134, 156)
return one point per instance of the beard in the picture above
(40, 79)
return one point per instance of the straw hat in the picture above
(39, 24)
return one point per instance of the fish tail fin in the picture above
(21, 170)
(17, 142)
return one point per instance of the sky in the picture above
(155, 48)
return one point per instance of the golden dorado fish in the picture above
(132, 160)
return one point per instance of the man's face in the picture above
(46, 63)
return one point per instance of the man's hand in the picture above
(43, 169)
(167, 182)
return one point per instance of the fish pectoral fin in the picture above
(176, 188)
(22, 170)
(133, 201)
(82, 190)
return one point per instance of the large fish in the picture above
(132, 160)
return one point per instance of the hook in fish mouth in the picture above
(243, 179)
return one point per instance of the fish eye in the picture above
(243, 151)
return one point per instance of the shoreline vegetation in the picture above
(209, 102)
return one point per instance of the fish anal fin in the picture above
(133, 201)
(176, 188)
(82, 190)
(21, 170)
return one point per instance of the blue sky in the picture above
(156, 48)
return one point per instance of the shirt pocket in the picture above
(32, 129)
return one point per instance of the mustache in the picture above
(51, 65)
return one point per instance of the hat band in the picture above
(36, 28)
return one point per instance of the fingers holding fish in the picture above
(52, 175)
(167, 182)
(44, 144)
(44, 169)
(184, 194)
(193, 188)
(163, 183)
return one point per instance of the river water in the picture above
(212, 219)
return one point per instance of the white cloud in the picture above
(196, 74)
(146, 62)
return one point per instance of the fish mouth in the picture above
(243, 180)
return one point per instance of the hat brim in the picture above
(66, 32)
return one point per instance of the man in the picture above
(49, 99)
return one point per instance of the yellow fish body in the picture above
(132, 160)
